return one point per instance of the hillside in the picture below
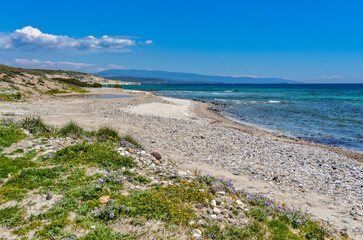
(22, 84)
(191, 77)
(154, 81)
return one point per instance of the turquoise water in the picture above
(326, 113)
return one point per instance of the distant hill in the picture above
(173, 77)
(152, 81)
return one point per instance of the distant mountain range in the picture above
(163, 77)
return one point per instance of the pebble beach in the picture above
(323, 181)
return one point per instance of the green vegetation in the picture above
(11, 166)
(117, 86)
(106, 133)
(12, 71)
(106, 233)
(72, 129)
(55, 91)
(9, 134)
(76, 82)
(35, 125)
(10, 216)
(94, 154)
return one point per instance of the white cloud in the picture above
(62, 65)
(149, 42)
(31, 39)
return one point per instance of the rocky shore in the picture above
(323, 182)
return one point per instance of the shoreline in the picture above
(221, 120)
(313, 178)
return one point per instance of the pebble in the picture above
(216, 210)
(219, 218)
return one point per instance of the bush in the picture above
(106, 233)
(71, 129)
(118, 86)
(34, 125)
(106, 133)
(131, 140)
(100, 154)
(97, 85)
(10, 133)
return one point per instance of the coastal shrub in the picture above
(106, 133)
(97, 154)
(11, 166)
(142, 179)
(76, 89)
(54, 91)
(34, 178)
(10, 216)
(21, 231)
(34, 125)
(128, 139)
(117, 86)
(54, 229)
(280, 230)
(71, 129)
(170, 203)
(106, 233)
(97, 85)
(10, 133)
(253, 230)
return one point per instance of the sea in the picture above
(330, 114)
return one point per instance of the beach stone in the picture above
(202, 222)
(216, 210)
(213, 203)
(197, 236)
(157, 162)
(130, 150)
(198, 206)
(197, 231)
(216, 188)
(156, 155)
(49, 195)
(213, 216)
(219, 201)
(222, 193)
(220, 218)
(104, 199)
(209, 211)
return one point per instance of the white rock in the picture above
(197, 236)
(213, 203)
(216, 210)
(197, 231)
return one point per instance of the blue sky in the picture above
(312, 41)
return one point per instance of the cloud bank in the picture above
(60, 65)
(32, 39)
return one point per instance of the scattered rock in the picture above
(216, 210)
(198, 206)
(104, 199)
(156, 155)
(49, 195)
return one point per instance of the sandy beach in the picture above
(322, 180)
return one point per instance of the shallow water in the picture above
(326, 113)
